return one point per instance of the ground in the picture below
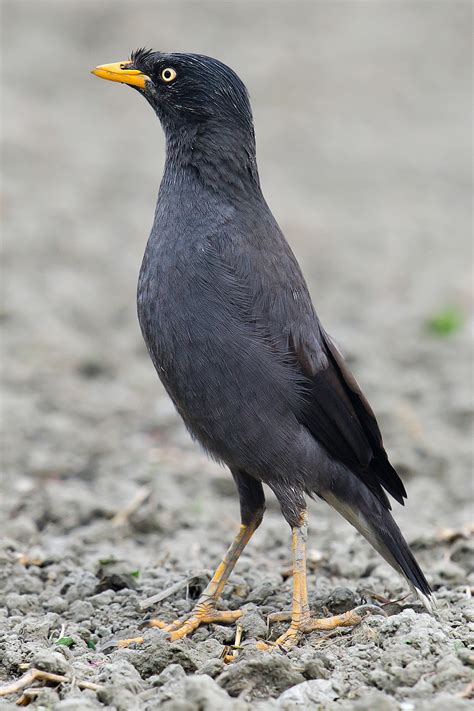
(362, 114)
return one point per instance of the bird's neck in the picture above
(219, 158)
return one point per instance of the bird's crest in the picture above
(140, 55)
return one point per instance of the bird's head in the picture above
(205, 112)
(185, 90)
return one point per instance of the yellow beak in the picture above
(121, 72)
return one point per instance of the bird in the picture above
(231, 329)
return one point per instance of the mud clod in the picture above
(265, 676)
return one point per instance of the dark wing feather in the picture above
(338, 415)
(334, 409)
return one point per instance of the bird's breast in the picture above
(210, 350)
(179, 313)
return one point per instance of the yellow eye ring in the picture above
(168, 75)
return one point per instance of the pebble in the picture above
(80, 610)
(50, 661)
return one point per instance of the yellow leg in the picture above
(301, 622)
(205, 609)
(300, 615)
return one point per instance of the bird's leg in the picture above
(300, 615)
(301, 621)
(205, 609)
(252, 507)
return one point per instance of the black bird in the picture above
(230, 327)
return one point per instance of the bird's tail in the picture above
(367, 514)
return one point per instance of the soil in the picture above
(362, 114)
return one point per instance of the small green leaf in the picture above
(90, 644)
(446, 321)
(196, 506)
(135, 573)
(66, 641)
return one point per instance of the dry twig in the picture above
(121, 517)
(158, 597)
(33, 675)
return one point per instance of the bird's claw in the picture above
(289, 639)
(202, 614)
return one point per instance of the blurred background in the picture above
(363, 120)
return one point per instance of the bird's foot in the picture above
(202, 614)
(305, 624)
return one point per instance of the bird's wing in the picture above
(339, 416)
(333, 407)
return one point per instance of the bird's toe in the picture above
(202, 614)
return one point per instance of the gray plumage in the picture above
(231, 329)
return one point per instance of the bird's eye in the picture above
(168, 75)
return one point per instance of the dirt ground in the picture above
(362, 113)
